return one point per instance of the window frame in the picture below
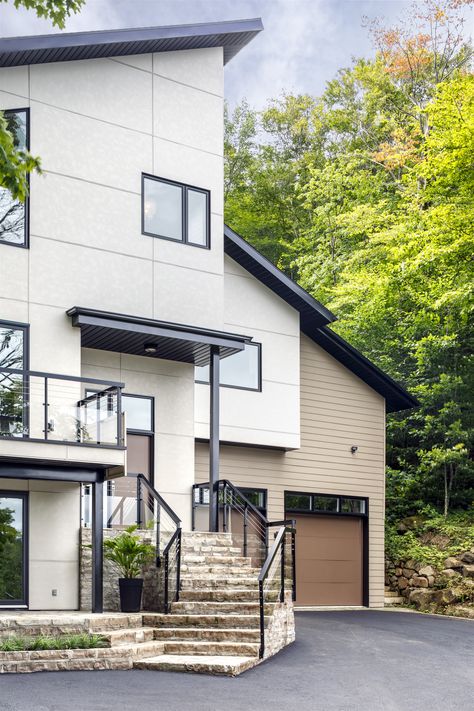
(318, 512)
(25, 497)
(258, 389)
(26, 243)
(25, 327)
(185, 188)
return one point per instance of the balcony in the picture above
(61, 418)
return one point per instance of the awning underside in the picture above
(128, 334)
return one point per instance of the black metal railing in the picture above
(249, 526)
(278, 573)
(60, 409)
(154, 513)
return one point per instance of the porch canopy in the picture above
(171, 341)
(121, 333)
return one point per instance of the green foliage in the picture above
(128, 553)
(434, 538)
(364, 195)
(57, 11)
(72, 641)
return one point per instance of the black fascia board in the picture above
(265, 271)
(232, 35)
(312, 322)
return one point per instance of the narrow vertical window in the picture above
(14, 213)
(13, 385)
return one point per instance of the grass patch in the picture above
(71, 641)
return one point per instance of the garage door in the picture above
(328, 560)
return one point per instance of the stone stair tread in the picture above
(230, 666)
(119, 637)
(184, 633)
(207, 647)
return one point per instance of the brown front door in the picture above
(328, 560)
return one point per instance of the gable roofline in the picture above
(232, 35)
(313, 313)
(314, 318)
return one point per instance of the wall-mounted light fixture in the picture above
(150, 348)
(354, 448)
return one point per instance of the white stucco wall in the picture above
(270, 417)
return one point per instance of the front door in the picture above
(13, 538)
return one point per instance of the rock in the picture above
(468, 571)
(422, 599)
(431, 580)
(450, 573)
(408, 572)
(420, 582)
(426, 570)
(410, 564)
(402, 583)
(444, 597)
(452, 563)
(467, 558)
(399, 571)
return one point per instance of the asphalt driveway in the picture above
(342, 661)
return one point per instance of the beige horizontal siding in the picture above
(337, 410)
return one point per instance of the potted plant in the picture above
(129, 554)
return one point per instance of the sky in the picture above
(303, 45)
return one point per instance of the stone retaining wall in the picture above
(428, 588)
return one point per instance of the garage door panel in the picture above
(328, 560)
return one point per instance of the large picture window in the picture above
(175, 211)
(241, 370)
(14, 213)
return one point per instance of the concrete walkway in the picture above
(362, 660)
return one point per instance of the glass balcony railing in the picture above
(48, 407)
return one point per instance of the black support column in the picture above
(214, 438)
(97, 546)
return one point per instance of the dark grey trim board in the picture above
(231, 35)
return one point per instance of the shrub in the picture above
(72, 641)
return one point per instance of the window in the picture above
(325, 503)
(174, 211)
(240, 370)
(139, 411)
(13, 392)
(14, 213)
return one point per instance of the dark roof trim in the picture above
(312, 311)
(128, 334)
(313, 321)
(232, 35)
(397, 398)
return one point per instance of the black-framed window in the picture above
(13, 386)
(14, 549)
(175, 211)
(325, 503)
(14, 213)
(139, 412)
(242, 370)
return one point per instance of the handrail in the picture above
(59, 376)
(175, 538)
(278, 548)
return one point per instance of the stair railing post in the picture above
(262, 619)
(166, 583)
(225, 508)
(282, 567)
(293, 557)
(245, 530)
(139, 502)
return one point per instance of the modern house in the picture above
(125, 302)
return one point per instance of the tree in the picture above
(17, 162)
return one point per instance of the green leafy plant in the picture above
(128, 553)
(73, 641)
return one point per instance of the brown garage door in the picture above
(328, 560)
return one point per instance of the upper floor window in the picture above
(175, 211)
(240, 370)
(14, 213)
(13, 386)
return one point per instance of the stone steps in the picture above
(198, 572)
(219, 595)
(189, 582)
(217, 634)
(226, 621)
(233, 561)
(212, 648)
(225, 665)
(218, 608)
(133, 635)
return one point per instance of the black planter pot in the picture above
(130, 594)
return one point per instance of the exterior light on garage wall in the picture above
(354, 448)
(150, 348)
